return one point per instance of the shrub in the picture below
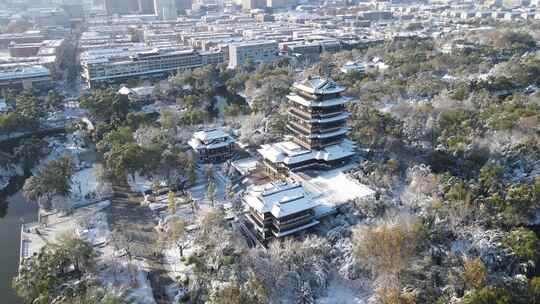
(191, 260)
(474, 273)
(524, 243)
(488, 295)
(227, 260)
(534, 290)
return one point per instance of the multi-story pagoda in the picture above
(317, 121)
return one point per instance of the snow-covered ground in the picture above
(71, 145)
(333, 188)
(86, 182)
(7, 173)
(55, 224)
(178, 271)
(221, 104)
(345, 292)
(199, 192)
(97, 230)
(172, 262)
(126, 278)
(139, 183)
(88, 186)
(117, 273)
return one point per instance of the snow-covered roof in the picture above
(325, 103)
(125, 91)
(210, 139)
(197, 144)
(353, 66)
(245, 165)
(3, 105)
(25, 72)
(143, 91)
(319, 85)
(210, 134)
(280, 198)
(291, 153)
(342, 116)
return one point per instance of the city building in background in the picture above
(166, 9)
(109, 66)
(252, 51)
(25, 77)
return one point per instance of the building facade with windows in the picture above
(144, 63)
(317, 119)
(255, 51)
(25, 77)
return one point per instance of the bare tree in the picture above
(175, 232)
(211, 192)
(386, 250)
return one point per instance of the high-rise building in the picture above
(121, 6)
(184, 4)
(317, 121)
(146, 7)
(253, 4)
(166, 9)
(278, 3)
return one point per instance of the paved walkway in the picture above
(133, 225)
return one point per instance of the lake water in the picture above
(15, 210)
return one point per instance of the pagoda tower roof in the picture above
(319, 85)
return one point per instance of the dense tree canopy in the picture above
(54, 179)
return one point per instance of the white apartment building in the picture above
(143, 63)
(255, 51)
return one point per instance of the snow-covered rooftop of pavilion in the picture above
(353, 66)
(288, 152)
(245, 165)
(339, 117)
(319, 85)
(138, 91)
(210, 139)
(280, 198)
(313, 103)
(210, 134)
